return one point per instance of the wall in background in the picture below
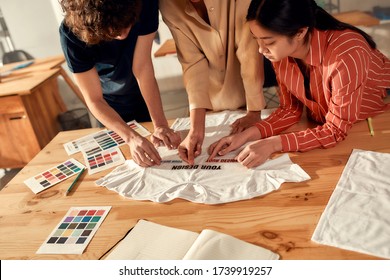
(33, 25)
(350, 5)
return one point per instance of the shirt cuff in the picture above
(289, 142)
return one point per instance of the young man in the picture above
(107, 45)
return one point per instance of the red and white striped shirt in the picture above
(348, 82)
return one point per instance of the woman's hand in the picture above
(233, 142)
(245, 122)
(191, 147)
(226, 145)
(163, 135)
(258, 152)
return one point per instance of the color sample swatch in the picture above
(103, 160)
(54, 175)
(94, 143)
(139, 128)
(75, 231)
(102, 140)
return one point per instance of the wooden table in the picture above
(282, 221)
(29, 106)
(43, 64)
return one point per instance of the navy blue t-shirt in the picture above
(113, 61)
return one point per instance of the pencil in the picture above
(369, 122)
(74, 182)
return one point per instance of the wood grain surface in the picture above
(282, 221)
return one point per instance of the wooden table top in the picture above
(38, 64)
(282, 221)
(25, 80)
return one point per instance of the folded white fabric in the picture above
(223, 180)
(357, 216)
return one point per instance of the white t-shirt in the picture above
(221, 181)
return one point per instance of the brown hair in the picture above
(94, 21)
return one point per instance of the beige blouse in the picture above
(222, 68)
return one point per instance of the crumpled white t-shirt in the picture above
(221, 181)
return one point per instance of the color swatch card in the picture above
(102, 140)
(103, 160)
(94, 143)
(75, 231)
(137, 127)
(54, 175)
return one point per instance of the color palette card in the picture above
(103, 160)
(75, 231)
(137, 127)
(102, 140)
(94, 143)
(54, 175)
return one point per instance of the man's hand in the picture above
(143, 152)
(163, 135)
(245, 122)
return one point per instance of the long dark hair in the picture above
(287, 17)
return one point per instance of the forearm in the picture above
(90, 87)
(151, 95)
(253, 113)
(288, 113)
(144, 73)
(251, 134)
(198, 117)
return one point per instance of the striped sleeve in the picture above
(289, 112)
(347, 77)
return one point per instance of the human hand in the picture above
(258, 152)
(167, 136)
(246, 121)
(143, 152)
(191, 147)
(226, 145)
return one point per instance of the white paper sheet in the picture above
(151, 241)
(213, 245)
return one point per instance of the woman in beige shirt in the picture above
(222, 68)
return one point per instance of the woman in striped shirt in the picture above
(330, 67)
